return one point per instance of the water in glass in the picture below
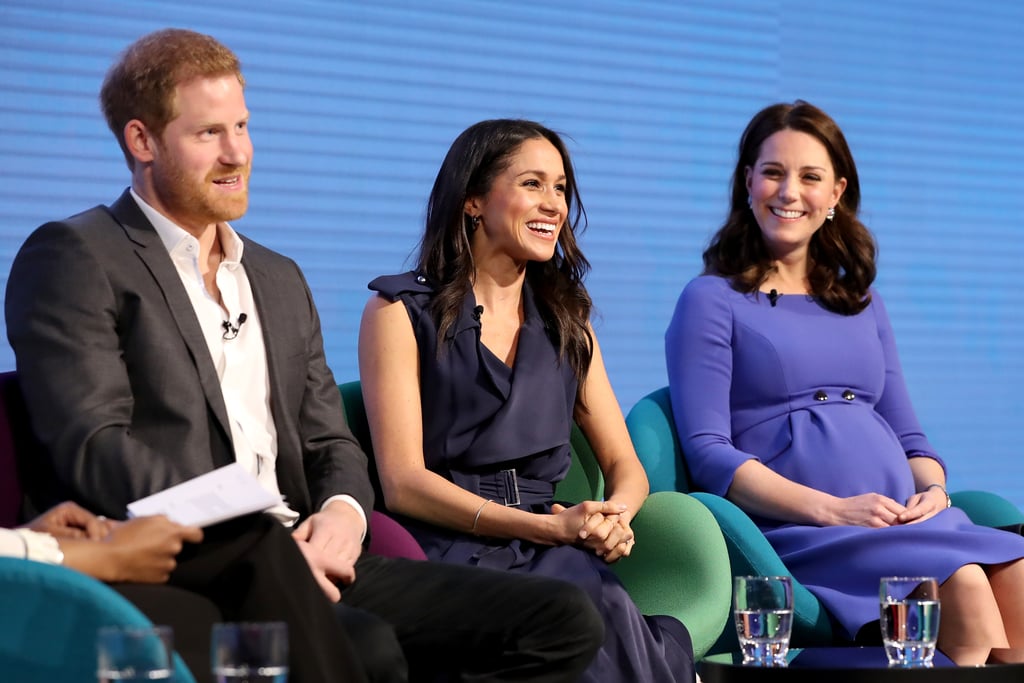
(764, 633)
(245, 674)
(134, 654)
(909, 631)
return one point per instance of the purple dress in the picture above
(819, 398)
(496, 431)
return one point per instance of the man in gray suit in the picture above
(154, 344)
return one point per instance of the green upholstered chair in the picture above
(679, 566)
(652, 428)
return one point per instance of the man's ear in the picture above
(139, 141)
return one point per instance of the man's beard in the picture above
(198, 202)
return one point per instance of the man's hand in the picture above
(70, 520)
(331, 542)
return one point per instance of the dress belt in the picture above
(507, 488)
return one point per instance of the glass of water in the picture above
(910, 619)
(763, 610)
(128, 653)
(250, 652)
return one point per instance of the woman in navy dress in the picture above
(789, 399)
(473, 368)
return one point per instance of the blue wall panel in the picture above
(354, 105)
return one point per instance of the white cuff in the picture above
(40, 547)
(345, 498)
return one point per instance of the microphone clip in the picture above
(231, 330)
(773, 297)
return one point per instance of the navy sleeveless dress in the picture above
(503, 433)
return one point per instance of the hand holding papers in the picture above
(213, 497)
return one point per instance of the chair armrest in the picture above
(987, 509)
(50, 618)
(388, 538)
(679, 566)
(751, 554)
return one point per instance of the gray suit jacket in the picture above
(120, 384)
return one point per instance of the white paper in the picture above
(213, 497)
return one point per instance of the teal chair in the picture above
(50, 619)
(652, 428)
(679, 566)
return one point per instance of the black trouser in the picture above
(250, 569)
(447, 621)
(465, 623)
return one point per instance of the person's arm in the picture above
(896, 409)
(389, 371)
(334, 462)
(140, 551)
(626, 486)
(698, 348)
(335, 468)
(63, 322)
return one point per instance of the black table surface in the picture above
(869, 665)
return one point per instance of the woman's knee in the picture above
(969, 583)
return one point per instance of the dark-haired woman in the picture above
(473, 368)
(789, 399)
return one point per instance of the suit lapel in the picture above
(271, 307)
(154, 255)
(267, 305)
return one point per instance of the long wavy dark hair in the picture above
(478, 156)
(841, 253)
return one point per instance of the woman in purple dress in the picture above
(473, 368)
(790, 402)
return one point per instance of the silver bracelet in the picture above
(949, 502)
(479, 510)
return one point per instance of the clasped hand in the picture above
(142, 550)
(331, 542)
(876, 510)
(602, 527)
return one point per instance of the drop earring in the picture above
(831, 213)
(750, 201)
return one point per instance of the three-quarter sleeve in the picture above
(698, 351)
(894, 404)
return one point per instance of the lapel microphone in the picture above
(773, 297)
(231, 331)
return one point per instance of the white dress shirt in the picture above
(234, 336)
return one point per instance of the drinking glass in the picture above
(250, 652)
(125, 653)
(910, 619)
(763, 610)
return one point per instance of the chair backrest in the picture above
(652, 428)
(18, 445)
(10, 491)
(584, 480)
